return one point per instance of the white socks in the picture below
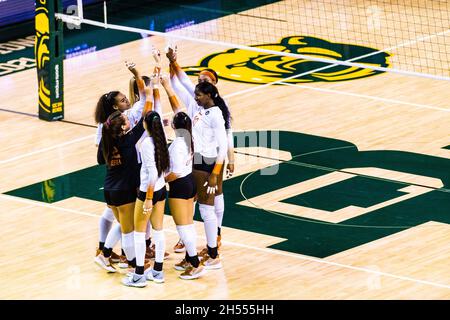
(219, 207)
(113, 237)
(160, 245)
(105, 224)
(187, 235)
(128, 245)
(139, 247)
(210, 223)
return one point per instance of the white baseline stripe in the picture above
(47, 149)
(366, 96)
(265, 250)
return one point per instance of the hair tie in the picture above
(108, 122)
(216, 95)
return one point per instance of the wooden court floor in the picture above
(358, 207)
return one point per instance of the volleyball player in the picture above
(150, 199)
(117, 149)
(135, 97)
(210, 148)
(181, 81)
(182, 187)
(106, 105)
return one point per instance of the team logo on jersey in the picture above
(260, 68)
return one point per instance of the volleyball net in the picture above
(324, 40)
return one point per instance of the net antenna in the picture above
(415, 34)
(80, 9)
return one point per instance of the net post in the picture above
(49, 55)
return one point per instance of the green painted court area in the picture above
(312, 157)
(353, 191)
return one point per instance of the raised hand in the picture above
(157, 56)
(171, 53)
(164, 79)
(154, 80)
(130, 65)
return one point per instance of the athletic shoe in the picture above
(203, 254)
(150, 253)
(211, 264)
(147, 267)
(104, 263)
(115, 258)
(193, 273)
(179, 247)
(182, 265)
(123, 263)
(155, 276)
(135, 280)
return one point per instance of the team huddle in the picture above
(139, 164)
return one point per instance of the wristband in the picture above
(173, 100)
(217, 168)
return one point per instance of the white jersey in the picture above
(208, 125)
(180, 158)
(208, 131)
(149, 172)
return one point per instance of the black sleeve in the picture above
(138, 130)
(100, 158)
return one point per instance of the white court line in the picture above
(235, 94)
(47, 149)
(253, 89)
(366, 96)
(265, 250)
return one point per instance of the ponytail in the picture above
(181, 121)
(218, 101)
(111, 131)
(208, 88)
(156, 131)
(105, 106)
